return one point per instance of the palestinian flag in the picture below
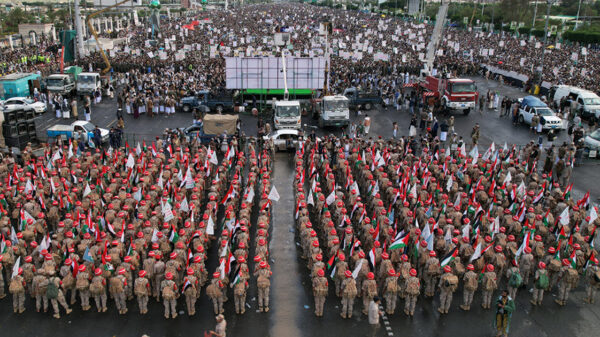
(590, 261)
(545, 219)
(573, 259)
(450, 257)
(332, 260)
(401, 241)
(173, 237)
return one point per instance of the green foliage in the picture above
(582, 36)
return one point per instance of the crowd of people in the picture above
(124, 223)
(384, 218)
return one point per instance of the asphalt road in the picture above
(291, 295)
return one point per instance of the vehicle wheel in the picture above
(521, 120)
(467, 111)
(368, 106)
(186, 108)
(219, 109)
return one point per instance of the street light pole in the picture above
(577, 19)
(545, 39)
(534, 15)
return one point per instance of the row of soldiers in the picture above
(419, 241)
(119, 224)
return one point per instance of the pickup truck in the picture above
(358, 98)
(212, 126)
(66, 131)
(216, 103)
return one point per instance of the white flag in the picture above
(330, 198)
(355, 187)
(154, 236)
(138, 149)
(213, 158)
(476, 254)
(184, 206)
(87, 190)
(273, 195)
(15, 270)
(310, 200)
(474, 153)
(250, 197)
(508, 178)
(564, 217)
(130, 161)
(593, 214)
(210, 226)
(449, 184)
(357, 269)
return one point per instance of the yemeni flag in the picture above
(332, 260)
(540, 195)
(186, 285)
(450, 257)
(372, 256)
(401, 241)
(585, 201)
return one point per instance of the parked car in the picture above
(66, 131)
(359, 98)
(214, 102)
(531, 106)
(284, 139)
(18, 103)
(592, 141)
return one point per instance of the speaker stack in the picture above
(19, 128)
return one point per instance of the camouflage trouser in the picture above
(100, 301)
(429, 285)
(129, 289)
(590, 292)
(538, 295)
(240, 303)
(120, 300)
(38, 302)
(85, 298)
(60, 299)
(217, 304)
(366, 300)
(467, 297)
(347, 306)
(73, 295)
(445, 299)
(563, 292)
(19, 301)
(319, 304)
(263, 297)
(410, 302)
(338, 287)
(143, 303)
(526, 273)
(512, 292)
(553, 278)
(487, 298)
(390, 302)
(170, 307)
(190, 301)
(2, 293)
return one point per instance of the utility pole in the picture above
(78, 29)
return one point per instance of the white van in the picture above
(587, 103)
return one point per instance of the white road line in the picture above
(386, 322)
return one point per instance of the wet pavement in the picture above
(292, 309)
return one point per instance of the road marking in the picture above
(111, 123)
(386, 322)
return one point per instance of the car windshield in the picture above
(463, 87)
(28, 101)
(595, 135)
(86, 79)
(54, 82)
(592, 101)
(288, 111)
(544, 112)
(89, 127)
(336, 105)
